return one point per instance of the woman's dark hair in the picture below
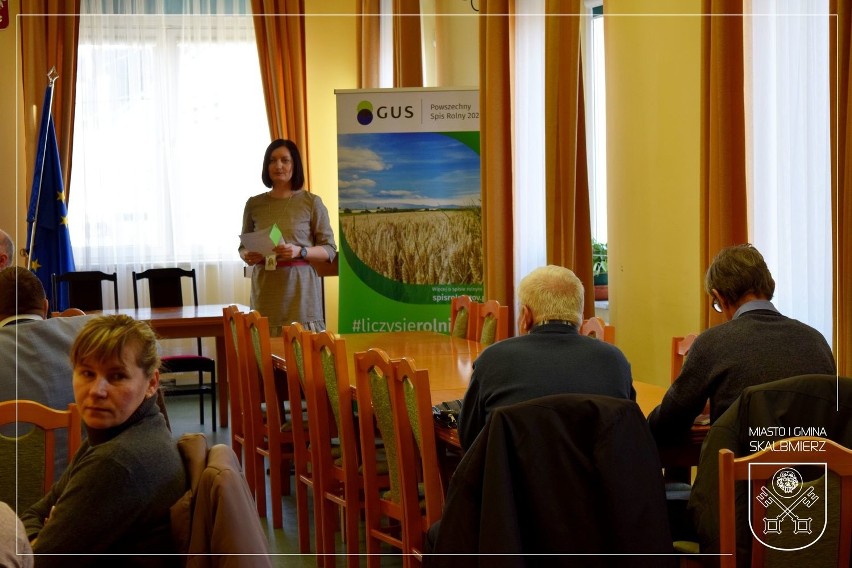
(738, 270)
(298, 179)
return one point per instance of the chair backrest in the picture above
(463, 317)
(298, 365)
(47, 420)
(260, 353)
(165, 289)
(586, 453)
(596, 327)
(787, 520)
(252, 387)
(492, 322)
(215, 523)
(84, 290)
(164, 286)
(375, 380)
(412, 406)
(235, 366)
(330, 406)
(680, 349)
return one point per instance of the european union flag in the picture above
(49, 245)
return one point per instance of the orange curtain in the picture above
(50, 41)
(407, 52)
(279, 26)
(368, 44)
(841, 180)
(495, 127)
(724, 215)
(569, 231)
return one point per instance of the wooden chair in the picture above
(596, 327)
(492, 322)
(680, 349)
(166, 291)
(275, 441)
(85, 290)
(232, 320)
(338, 480)
(759, 469)
(297, 353)
(40, 440)
(213, 523)
(374, 375)
(412, 407)
(463, 317)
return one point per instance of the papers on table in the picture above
(262, 241)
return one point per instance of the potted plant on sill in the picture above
(599, 270)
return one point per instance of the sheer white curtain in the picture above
(789, 153)
(169, 139)
(528, 138)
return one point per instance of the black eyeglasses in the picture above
(717, 306)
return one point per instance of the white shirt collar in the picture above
(755, 305)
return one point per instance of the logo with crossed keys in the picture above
(790, 506)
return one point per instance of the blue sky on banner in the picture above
(50, 249)
(409, 170)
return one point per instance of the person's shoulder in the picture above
(505, 347)
(53, 327)
(254, 199)
(310, 196)
(592, 344)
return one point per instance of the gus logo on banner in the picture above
(365, 112)
(788, 511)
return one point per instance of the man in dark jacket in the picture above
(756, 345)
(548, 357)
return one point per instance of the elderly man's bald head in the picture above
(7, 250)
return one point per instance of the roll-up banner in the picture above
(410, 207)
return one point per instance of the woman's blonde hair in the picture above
(105, 337)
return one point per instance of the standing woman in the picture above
(285, 287)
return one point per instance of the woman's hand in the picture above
(287, 251)
(252, 258)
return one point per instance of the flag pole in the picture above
(52, 76)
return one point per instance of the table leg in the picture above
(223, 381)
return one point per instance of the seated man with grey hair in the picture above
(548, 357)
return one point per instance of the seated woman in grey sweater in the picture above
(115, 496)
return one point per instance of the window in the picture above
(789, 153)
(596, 117)
(170, 132)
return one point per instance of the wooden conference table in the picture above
(449, 361)
(187, 322)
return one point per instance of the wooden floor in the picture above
(283, 544)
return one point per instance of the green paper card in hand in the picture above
(275, 235)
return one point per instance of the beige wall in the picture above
(332, 64)
(653, 114)
(12, 184)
